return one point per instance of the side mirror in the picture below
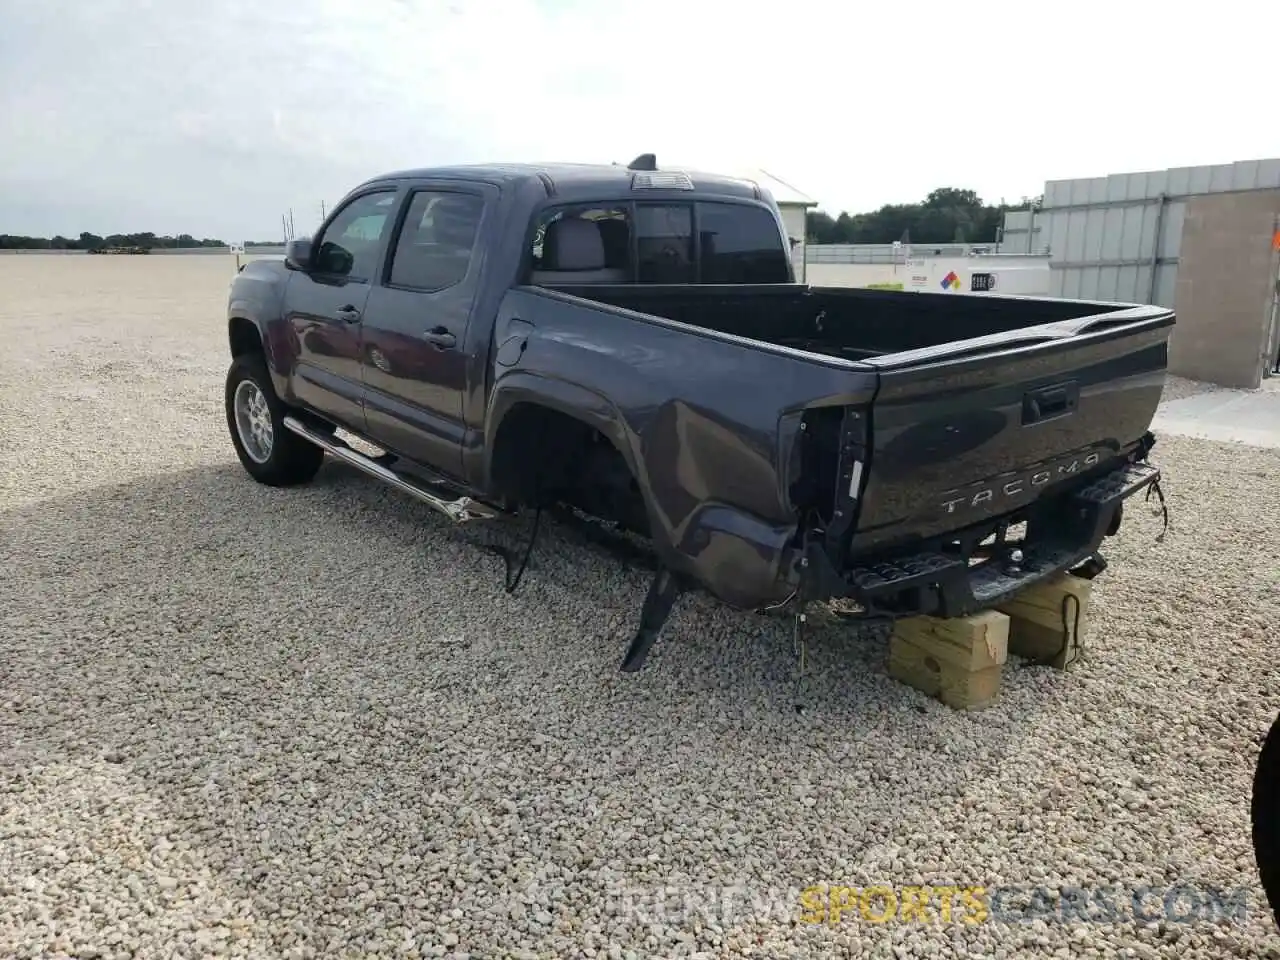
(297, 254)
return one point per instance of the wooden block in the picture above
(955, 686)
(1036, 628)
(959, 661)
(970, 643)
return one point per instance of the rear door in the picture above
(324, 306)
(416, 324)
(975, 429)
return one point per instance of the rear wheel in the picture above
(1265, 814)
(271, 453)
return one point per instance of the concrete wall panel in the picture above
(1224, 288)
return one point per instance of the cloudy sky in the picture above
(212, 116)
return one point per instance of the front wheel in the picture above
(270, 452)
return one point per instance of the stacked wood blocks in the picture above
(958, 661)
(961, 661)
(1036, 621)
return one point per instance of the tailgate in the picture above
(978, 428)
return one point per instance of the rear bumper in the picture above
(937, 583)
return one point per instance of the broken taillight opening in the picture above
(814, 476)
(828, 472)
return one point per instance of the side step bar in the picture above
(459, 509)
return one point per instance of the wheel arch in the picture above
(247, 336)
(521, 395)
(243, 336)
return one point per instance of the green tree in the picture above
(947, 215)
(91, 241)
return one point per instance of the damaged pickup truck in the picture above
(630, 342)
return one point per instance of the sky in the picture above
(211, 117)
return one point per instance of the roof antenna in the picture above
(646, 161)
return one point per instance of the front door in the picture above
(416, 323)
(325, 305)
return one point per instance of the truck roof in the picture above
(568, 180)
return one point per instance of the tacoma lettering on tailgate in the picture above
(990, 492)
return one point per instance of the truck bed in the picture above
(851, 323)
(953, 417)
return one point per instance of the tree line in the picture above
(91, 242)
(947, 215)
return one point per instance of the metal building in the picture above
(1202, 240)
(1021, 233)
(1119, 237)
(891, 252)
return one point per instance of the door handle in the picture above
(440, 337)
(348, 314)
(1050, 402)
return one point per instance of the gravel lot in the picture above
(250, 722)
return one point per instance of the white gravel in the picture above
(250, 722)
(1178, 388)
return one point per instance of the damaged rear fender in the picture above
(688, 469)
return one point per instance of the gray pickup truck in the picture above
(630, 342)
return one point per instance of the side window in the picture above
(600, 252)
(436, 242)
(664, 243)
(349, 246)
(740, 244)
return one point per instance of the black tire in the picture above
(1264, 810)
(289, 459)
